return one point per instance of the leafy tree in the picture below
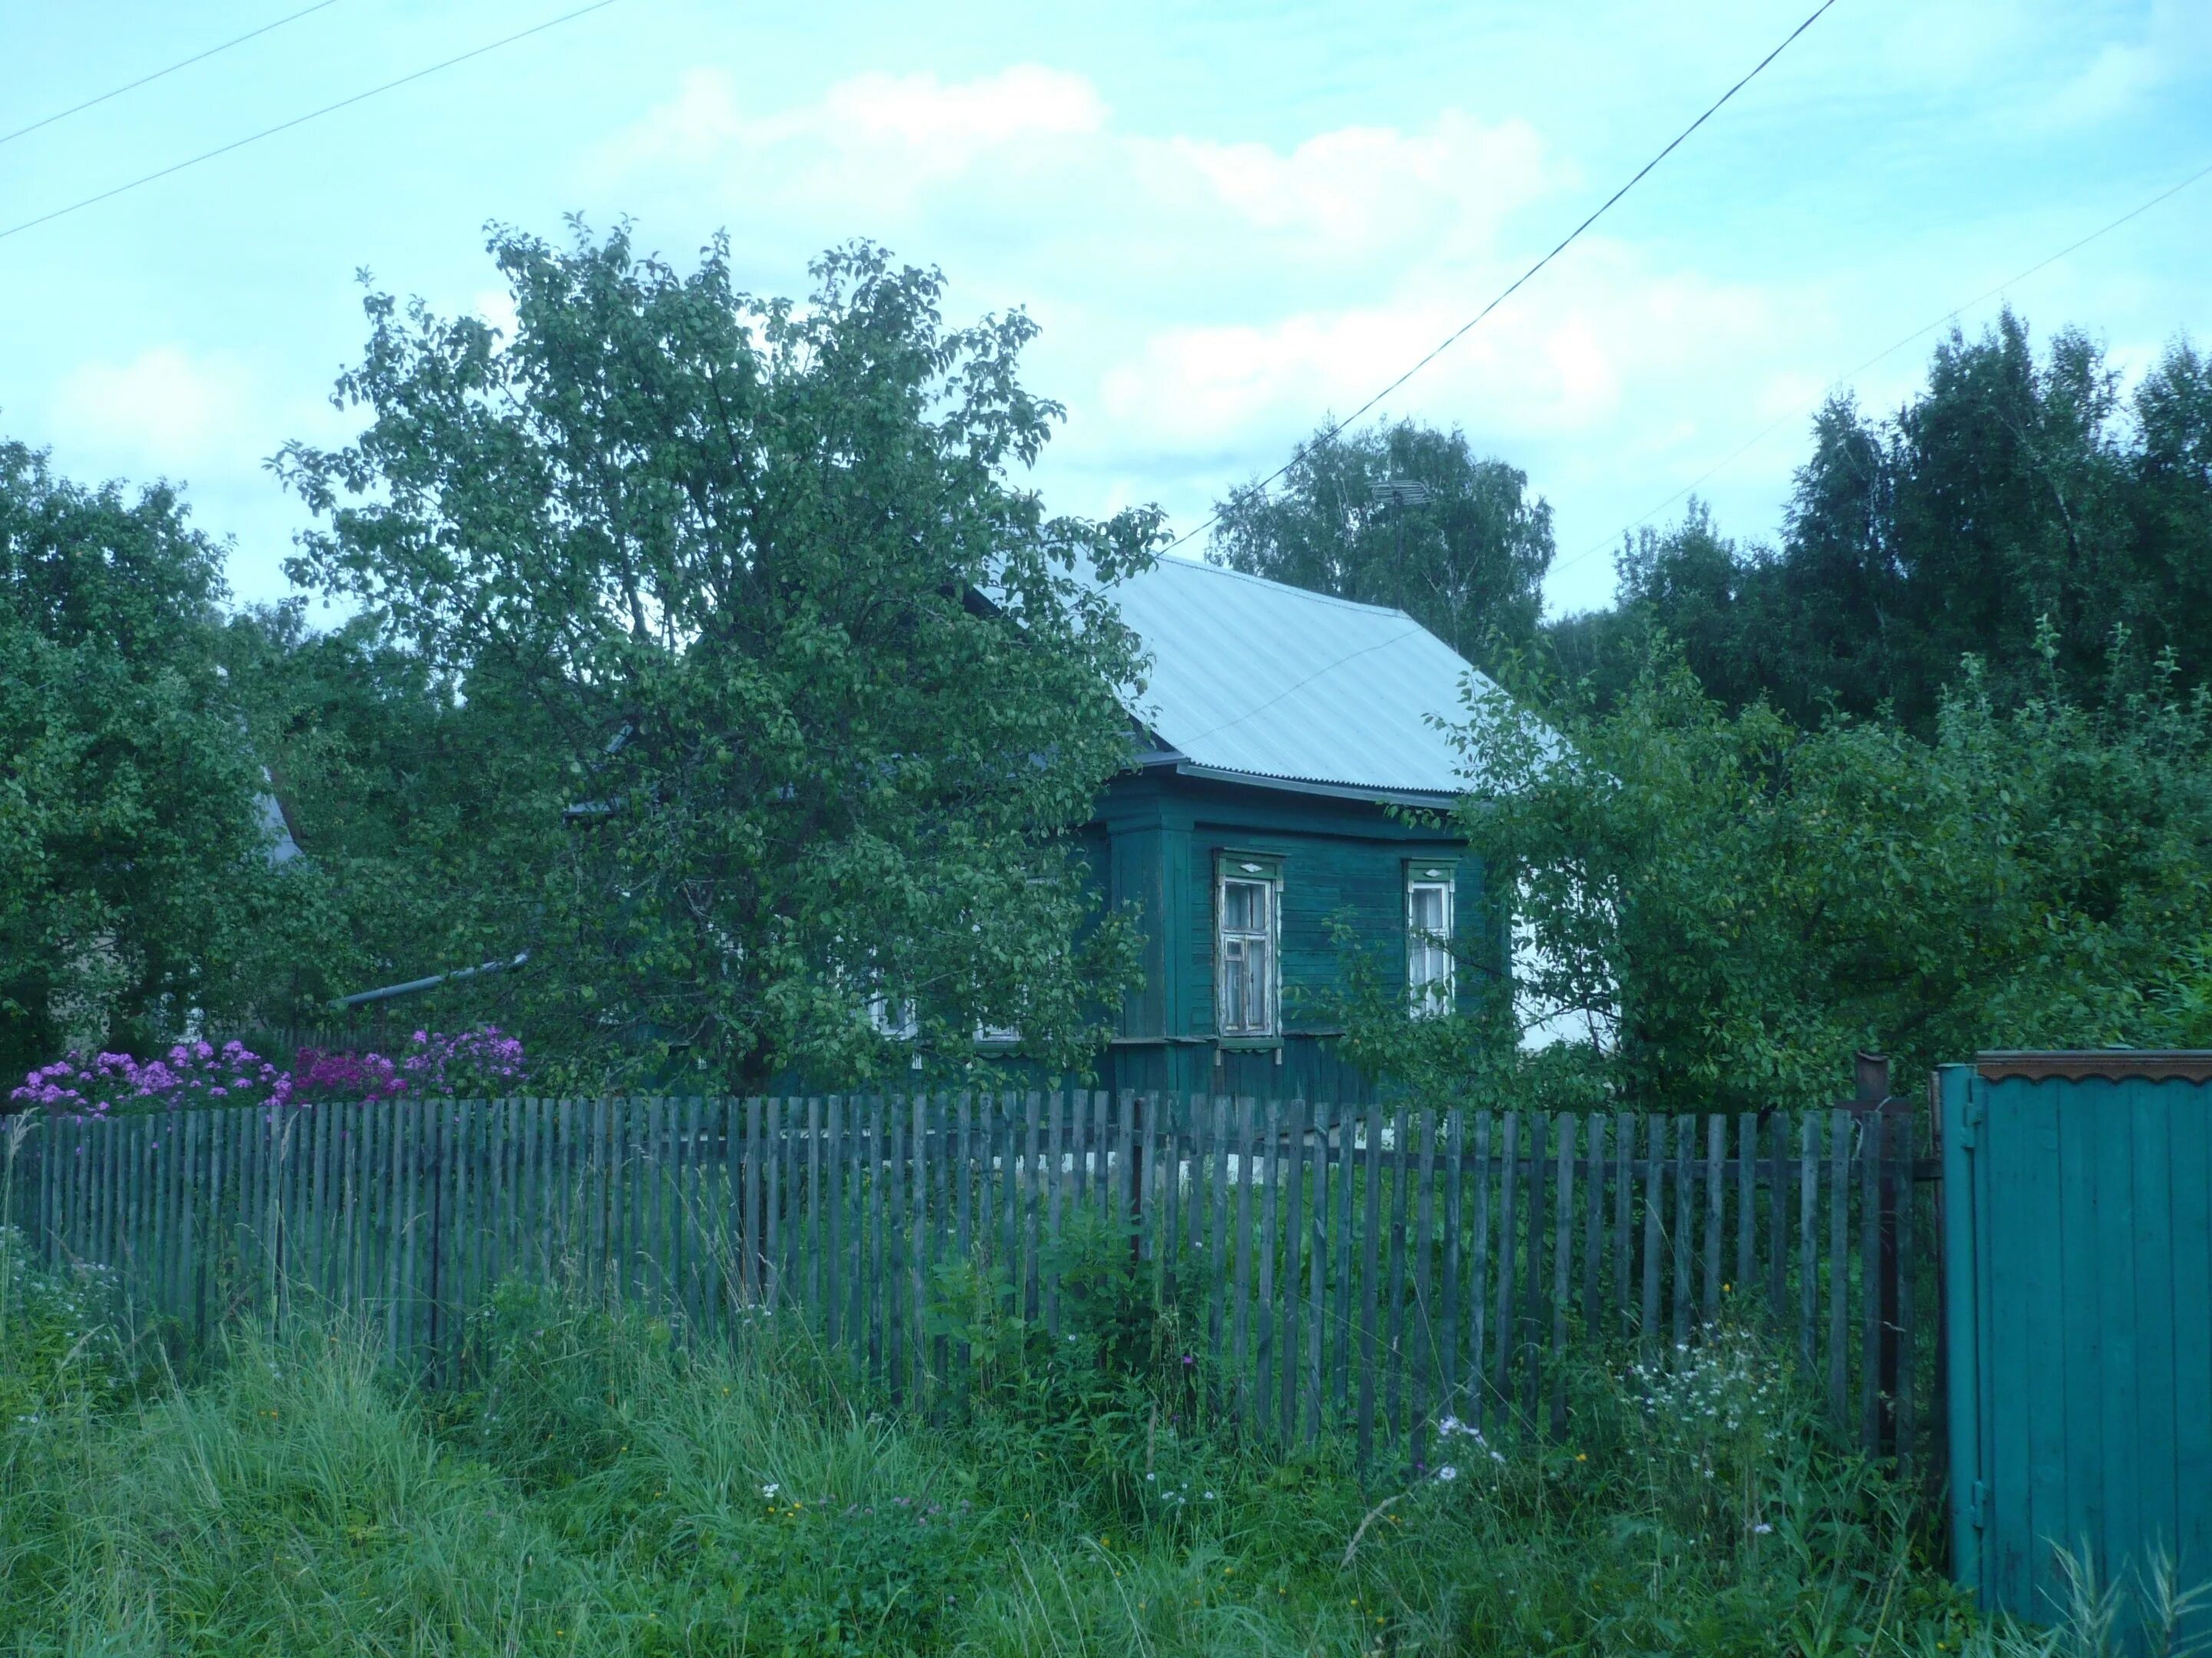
(806, 697)
(135, 884)
(2009, 492)
(1468, 562)
(419, 805)
(1715, 908)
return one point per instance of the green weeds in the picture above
(594, 1486)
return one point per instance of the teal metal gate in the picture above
(2078, 1311)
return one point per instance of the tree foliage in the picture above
(419, 807)
(134, 882)
(802, 698)
(2008, 493)
(1717, 907)
(1468, 562)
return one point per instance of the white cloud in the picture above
(1209, 298)
(166, 409)
(1030, 158)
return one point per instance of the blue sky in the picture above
(1229, 220)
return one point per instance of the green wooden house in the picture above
(1278, 739)
(1277, 732)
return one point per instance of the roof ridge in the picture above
(1211, 568)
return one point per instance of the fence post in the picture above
(1876, 1105)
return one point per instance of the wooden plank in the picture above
(1872, 1337)
(1032, 1194)
(1127, 1198)
(477, 1233)
(638, 1159)
(670, 1155)
(155, 1261)
(1839, 1203)
(752, 1258)
(1395, 1335)
(607, 1135)
(1144, 1184)
(833, 1206)
(936, 1222)
(1370, 1239)
(1746, 1188)
(1450, 1365)
(1508, 1183)
(562, 1183)
(1593, 1223)
(1562, 1266)
(1424, 1337)
(816, 1245)
(1173, 1112)
(1904, 1146)
(1686, 1158)
(1105, 1185)
(923, 1161)
(1808, 1253)
(1655, 1164)
(543, 1189)
(1478, 1271)
(1314, 1158)
(882, 1256)
(1343, 1332)
(1777, 1222)
(393, 1145)
(1062, 1141)
(1268, 1172)
(1298, 1122)
(1528, 1337)
(508, 1121)
(704, 1209)
(1716, 1216)
(1009, 1259)
(782, 1113)
(964, 1217)
(897, 1297)
(1219, 1258)
(346, 1177)
(1240, 1372)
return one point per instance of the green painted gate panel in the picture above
(2078, 1305)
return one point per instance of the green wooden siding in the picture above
(2078, 1238)
(1340, 858)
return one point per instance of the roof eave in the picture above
(1432, 799)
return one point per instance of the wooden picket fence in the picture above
(1362, 1268)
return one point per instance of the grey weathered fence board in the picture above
(1373, 1267)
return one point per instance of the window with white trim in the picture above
(1246, 947)
(897, 1020)
(1428, 938)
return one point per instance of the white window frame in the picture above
(1264, 875)
(1431, 977)
(900, 1023)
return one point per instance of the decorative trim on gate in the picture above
(2109, 1064)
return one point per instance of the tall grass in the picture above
(597, 1488)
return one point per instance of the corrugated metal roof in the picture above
(1253, 676)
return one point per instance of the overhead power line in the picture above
(1889, 350)
(301, 120)
(1513, 288)
(147, 80)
